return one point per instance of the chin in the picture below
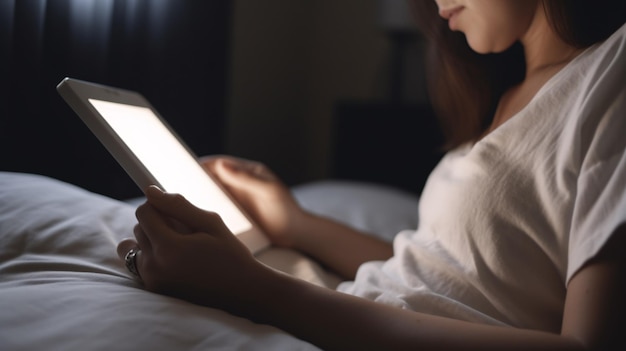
(482, 47)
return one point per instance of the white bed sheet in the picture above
(62, 286)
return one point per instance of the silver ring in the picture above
(131, 261)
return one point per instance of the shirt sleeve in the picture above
(600, 203)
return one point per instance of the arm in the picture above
(594, 316)
(336, 321)
(595, 308)
(337, 246)
(200, 267)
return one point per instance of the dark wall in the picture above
(173, 52)
(325, 89)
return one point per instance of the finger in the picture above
(124, 246)
(178, 208)
(208, 162)
(238, 175)
(142, 238)
(154, 229)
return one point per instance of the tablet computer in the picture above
(152, 153)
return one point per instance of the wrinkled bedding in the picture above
(62, 286)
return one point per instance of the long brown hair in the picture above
(465, 87)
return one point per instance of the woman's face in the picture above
(489, 25)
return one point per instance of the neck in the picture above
(543, 48)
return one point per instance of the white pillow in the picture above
(378, 209)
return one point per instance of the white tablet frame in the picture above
(77, 94)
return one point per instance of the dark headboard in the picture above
(173, 52)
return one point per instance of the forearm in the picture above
(338, 246)
(336, 321)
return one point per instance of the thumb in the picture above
(239, 176)
(180, 209)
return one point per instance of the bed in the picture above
(62, 286)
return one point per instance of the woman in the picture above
(522, 223)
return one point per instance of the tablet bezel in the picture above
(77, 94)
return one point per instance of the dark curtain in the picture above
(175, 52)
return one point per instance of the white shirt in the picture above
(505, 223)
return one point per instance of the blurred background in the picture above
(316, 89)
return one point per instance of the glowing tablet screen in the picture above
(168, 161)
